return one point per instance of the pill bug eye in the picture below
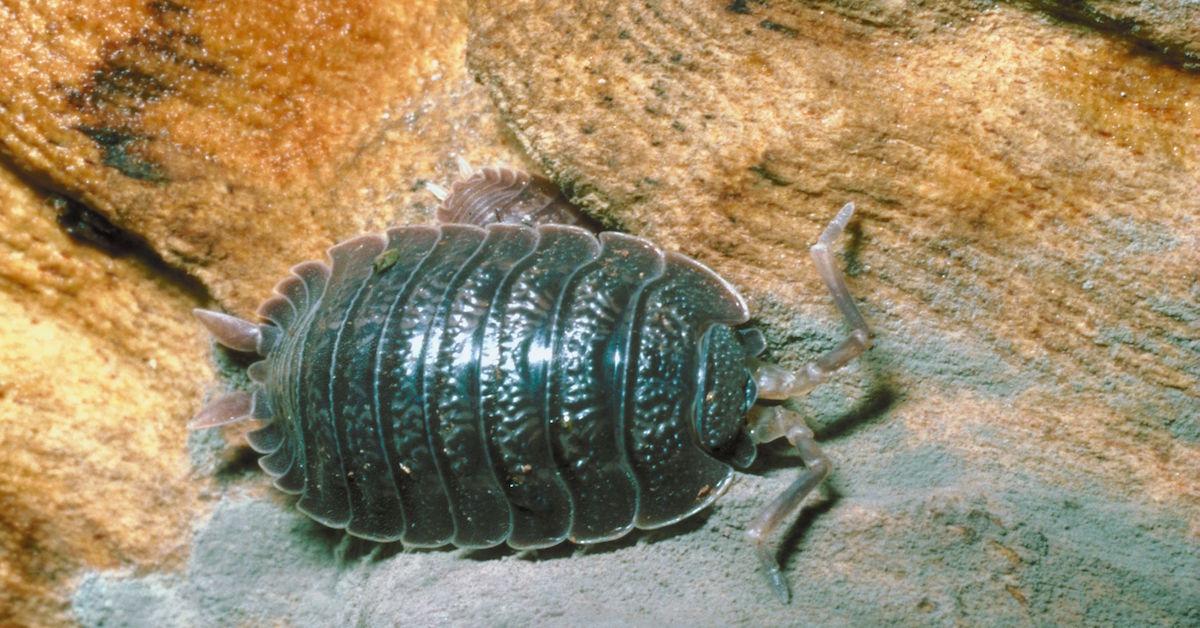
(751, 393)
(753, 342)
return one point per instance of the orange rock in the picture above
(235, 140)
(239, 139)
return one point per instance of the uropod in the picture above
(510, 376)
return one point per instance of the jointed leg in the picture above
(832, 275)
(770, 423)
(778, 383)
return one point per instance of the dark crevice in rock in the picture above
(1142, 34)
(118, 149)
(92, 228)
(87, 226)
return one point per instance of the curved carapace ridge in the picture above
(476, 386)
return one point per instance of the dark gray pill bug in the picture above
(517, 383)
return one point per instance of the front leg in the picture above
(769, 423)
(777, 383)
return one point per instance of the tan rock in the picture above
(240, 139)
(1169, 30)
(1025, 187)
(236, 140)
(100, 369)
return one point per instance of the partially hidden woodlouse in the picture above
(519, 383)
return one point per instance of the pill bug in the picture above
(517, 382)
(505, 195)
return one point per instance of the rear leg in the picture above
(770, 423)
(239, 335)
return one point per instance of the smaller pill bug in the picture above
(501, 379)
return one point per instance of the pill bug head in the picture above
(726, 379)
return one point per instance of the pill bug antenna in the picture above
(230, 331)
(230, 408)
(777, 383)
(239, 335)
(437, 190)
(465, 169)
(768, 423)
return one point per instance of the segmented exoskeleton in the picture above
(515, 384)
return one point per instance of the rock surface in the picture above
(1026, 189)
(240, 139)
(100, 366)
(1019, 447)
(229, 142)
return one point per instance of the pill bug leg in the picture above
(769, 423)
(772, 422)
(777, 383)
(834, 280)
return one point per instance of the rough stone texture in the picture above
(957, 553)
(1021, 445)
(240, 138)
(99, 367)
(1168, 29)
(1026, 188)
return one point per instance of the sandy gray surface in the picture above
(911, 530)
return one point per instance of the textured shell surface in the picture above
(520, 385)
